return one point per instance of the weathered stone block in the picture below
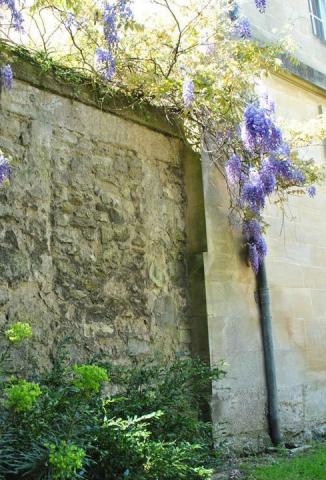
(14, 266)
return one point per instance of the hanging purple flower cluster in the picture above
(106, 58)
(253, 192)
(110, 20)
(261, 5)
(71, 20)
(125, 9)
(114, 13)
(257, 248)
(242, 28)
(16, 16)
(312, 191)
(259, 131)
(188, 93)
(5, 169)
(6, 77)
(233, 169)
(264, 164)
(241, 25)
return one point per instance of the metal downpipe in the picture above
(269, 357)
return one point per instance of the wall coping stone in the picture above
(27, 69)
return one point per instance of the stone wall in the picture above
(92, 233)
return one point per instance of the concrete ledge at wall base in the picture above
(251, 443)
(245, 443)
(63, 81)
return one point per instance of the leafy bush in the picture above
(65, 460)
(22, 395)
(179, 390)
(88, 378)
(60, 425)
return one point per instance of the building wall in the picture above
(288, 18)
(92, 234)
(296, 266)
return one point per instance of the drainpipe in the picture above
(269, 358)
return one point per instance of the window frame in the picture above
(317, 9)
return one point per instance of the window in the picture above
(318, 17)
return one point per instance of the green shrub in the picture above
(22, 395)
(66, 460)
(88, 378)
(60, 426)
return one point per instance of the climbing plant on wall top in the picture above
(195, 59)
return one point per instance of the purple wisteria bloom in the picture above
(113, 13)
(233, 169)
(6, 77)
(106, 58)
(297, 176)
(312, 191)
(258, 130)
(255, 127)
(16, 16)
(275, 139)
(188, 92)
(261, 5)
(5, 169)
(70, 20)
(285, 169)
(257, 247)
(253, 257)
(17, 21)
(264, 145)
(284, 149)
(110, 21)
(125, 9)
(251, 230)
(261, 247)
(242, 28)
(253, 193)
(268, 180)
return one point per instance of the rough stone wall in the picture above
(92, 233)
(296, 266)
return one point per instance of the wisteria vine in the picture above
(263, 166)
(115, 14)
(6, 77)
(16, 15)
(257, 160)
(264, 163)
(6, 82)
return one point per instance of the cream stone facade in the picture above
(296, 266)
